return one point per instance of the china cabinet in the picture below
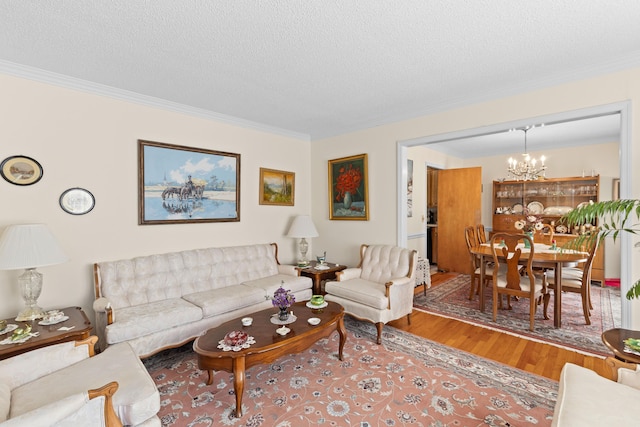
(548, 199)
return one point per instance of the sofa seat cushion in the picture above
(136, 400)
(223, 300)
(587, 399)
(268, 285)
(140, 320)
(360, 290)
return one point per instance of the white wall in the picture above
(90, 141)
(341, 238)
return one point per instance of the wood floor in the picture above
(538, 358)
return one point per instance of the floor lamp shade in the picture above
(29, 246)
(301, 228)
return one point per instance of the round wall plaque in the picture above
(21, 170)
(77, 201)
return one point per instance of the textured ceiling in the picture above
(318, 68)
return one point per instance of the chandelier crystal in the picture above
(527, 169)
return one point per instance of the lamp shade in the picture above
(302, 227)
(29, 246)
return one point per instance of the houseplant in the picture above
(613, 217)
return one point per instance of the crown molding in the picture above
(43, 76)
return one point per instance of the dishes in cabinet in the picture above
(557, 210)
(561, 229)
(535, 208)
(517, 208)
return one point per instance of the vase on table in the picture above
(283, 315)
(346, 202)
(526, 241)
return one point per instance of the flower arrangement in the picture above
(529, 224)
(282, 298)
(348, 181)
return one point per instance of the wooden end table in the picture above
(319, 276)
(269, 345)
(613, 338)
(49, 335)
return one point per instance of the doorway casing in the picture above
(622, 108)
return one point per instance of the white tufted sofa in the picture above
(161, 301)
(380, 289)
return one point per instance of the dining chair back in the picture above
(544, 235)
(577, 280)
(481, 234)
(470, 237)
(510, 281)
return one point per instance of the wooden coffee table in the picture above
(269, 345)
(51, 334)
(614, 339)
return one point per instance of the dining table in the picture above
(544, 257)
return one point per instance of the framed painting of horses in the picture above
(277, 187)
(178, 184)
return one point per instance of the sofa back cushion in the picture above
(5, 401)
(382, 263)
(146, 279)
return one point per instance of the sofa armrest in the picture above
(348, 273)
(18, 370)
(92, 408)
(289, 270)
(103, 305)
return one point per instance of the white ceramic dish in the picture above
(283, 330)
(9, 328)
(247, 321)
(323, 305)
(53, 322)
(535, 208)
(314, 321)
(517, 208)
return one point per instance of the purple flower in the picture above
(282, 298)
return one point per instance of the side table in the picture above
(613, 338)
(319, 276)
(49, 335)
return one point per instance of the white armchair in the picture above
(380, 289)
(51, 381)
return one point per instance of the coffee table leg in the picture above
(210, 379)
(343, 336)
(238, 383)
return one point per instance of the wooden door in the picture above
(459, 203)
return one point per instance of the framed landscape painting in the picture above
(349, 188)
(178, 184)
(277, 187)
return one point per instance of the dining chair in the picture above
(544, 235)
(509, 281)
(470, 236)
(576, 280)
(481, 235)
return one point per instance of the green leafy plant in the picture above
(613, 217)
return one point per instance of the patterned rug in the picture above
(406, 381)
(451, 299)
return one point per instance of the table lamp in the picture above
(302, 227)
(29, 246)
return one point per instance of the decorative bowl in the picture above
(317, 300)
(313, 321)
(3, 325)
(235, 338)
(247, 321)
(633, 344)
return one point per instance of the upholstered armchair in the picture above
(380, 288)
(54, 385)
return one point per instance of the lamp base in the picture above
(30, 313)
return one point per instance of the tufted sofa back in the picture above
(381, 263)
(146, 279)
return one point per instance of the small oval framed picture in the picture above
(21, 170)
(77, 201)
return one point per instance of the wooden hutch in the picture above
(548, 199)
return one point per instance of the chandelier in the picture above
(527, 169)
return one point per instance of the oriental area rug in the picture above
(406, 381)
(451, 299)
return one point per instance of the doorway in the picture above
(621, 108)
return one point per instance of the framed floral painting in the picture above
(349, 188)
